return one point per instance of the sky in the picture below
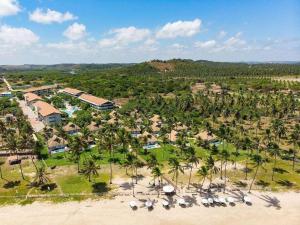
(127, 31)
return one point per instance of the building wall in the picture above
(51, 119)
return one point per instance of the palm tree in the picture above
(156, 173)
(274, 152)
(108, 140)
(203, 173)
(212, 168)
(258, 161)
(192, 160)
(41, 176)
(90, 168)
(175, 168)
(295, 139)
(76, 150)
(225, 156)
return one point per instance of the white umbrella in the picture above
(132, 204)
(181, 201)
(247, 199)
(216, 200)
(222, 200)
(204, 201)
(149, 204)
(230, 200)
(210, 200)
(168, 189)
(165, 203)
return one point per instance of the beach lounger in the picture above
(133, 204)
(216, 200)
(230, 200)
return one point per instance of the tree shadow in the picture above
(262, 183)
(272, 201)
(285, 183)
(191, 200)
(280, 170)
(240, 184)
(126, 186)
(49, 187)
(100, 188)
(12, 184)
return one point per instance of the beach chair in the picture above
(149, 204)
(247, 200)
(165, 203)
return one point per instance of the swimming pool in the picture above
(70, 110)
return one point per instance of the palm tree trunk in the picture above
(253, 179)
(190, 177)
(202, 183)
(294, 157)
(21, 169)
(225, 173)
(1, 175)
(132, 183)
(274, 166)
(221, 172)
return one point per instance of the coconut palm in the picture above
(258, 162)
(212, 168)
(175, 168)
(156, 173)
(202, 173)
(192, 160)
(225, 156)
(41, 177)
(90, 168)
(295, 139)
(76, 148)
(274, 152)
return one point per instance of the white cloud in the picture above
(235, 41)
(222, 34)
(50, 16)
(206, 44)
(179, 29)
(9, 7)
(178, 46)
(75, 32)
(124, 36)
(11, 36)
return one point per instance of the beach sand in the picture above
(267, 208)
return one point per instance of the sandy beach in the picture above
(267, 208)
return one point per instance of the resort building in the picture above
(56, 144)
(71, 91)
(206, 136)
(93, 127)
(43, 90)
(31, 98)
(71, 128)
(96, 102)
(47, 113)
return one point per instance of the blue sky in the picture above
(98, 31)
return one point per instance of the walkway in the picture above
(32, 117)
(7, 84)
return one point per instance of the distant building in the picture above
(31, 98)
(6, 94)
(71, 91)
(96, 102)
(42, 90)
(71, 128)
(47, 113)
(56, 144)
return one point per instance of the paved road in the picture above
(7, 84)
(32, 117)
